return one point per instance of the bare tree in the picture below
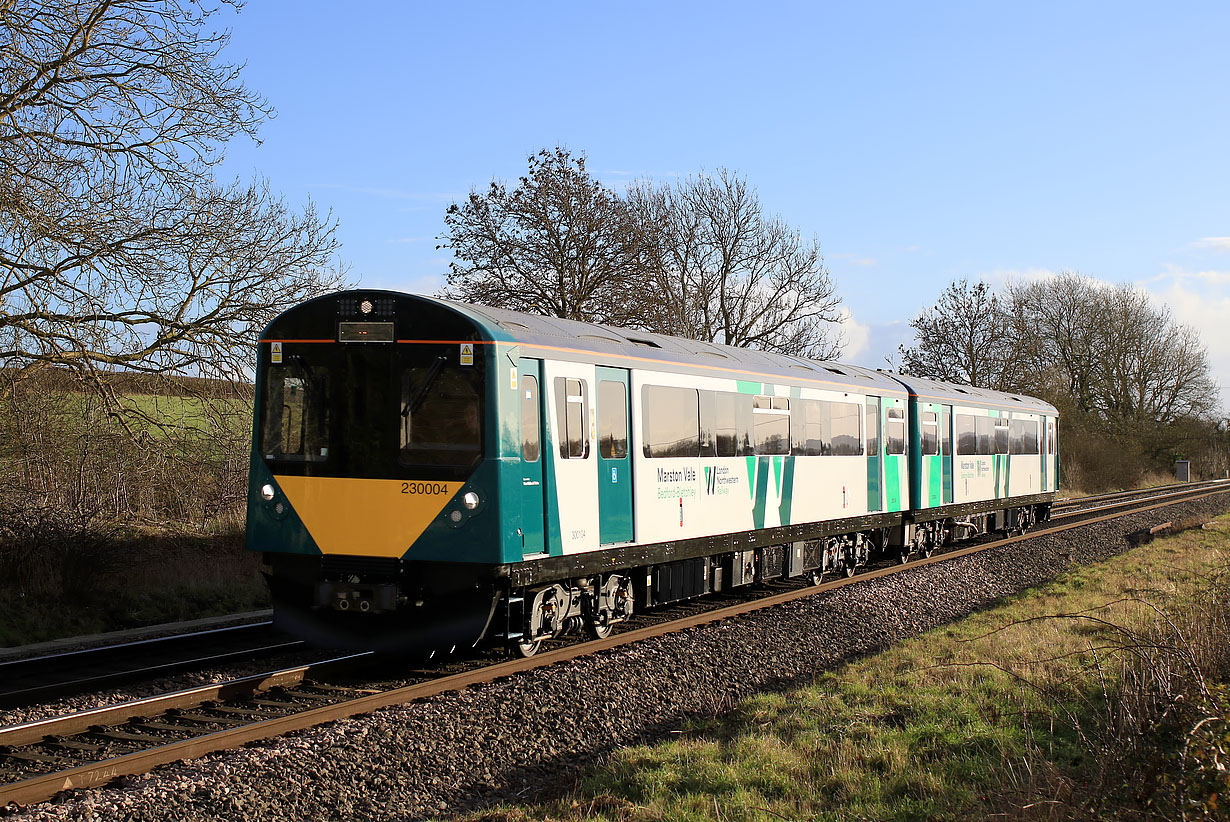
(963, 338)
(727, 272)
(559, 244)
(118, 250)
(1056, 325)
(1113, 352)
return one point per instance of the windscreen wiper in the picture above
(420, 395)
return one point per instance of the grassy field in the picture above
(1073, 699)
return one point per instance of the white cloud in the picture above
(853, 259)
(1200, 299)
(1214, 243)
(1003, 276)
(856, 335)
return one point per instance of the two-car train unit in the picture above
(429, 475)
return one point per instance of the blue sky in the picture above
(919, 144)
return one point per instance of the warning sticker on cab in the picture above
(467, 354)
(275, 354)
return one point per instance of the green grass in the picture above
(981, 719)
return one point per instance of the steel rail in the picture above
(1176, 496)
(41, 677)
(43, 787)
(1138, 493)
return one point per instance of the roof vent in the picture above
(636, 341)
(835, 370)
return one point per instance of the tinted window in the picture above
(572, 417)
(986, 435)
(845, 429)
(440, 419)
(725, 424)
(873, 428)
(612, 420)
(807, 429)
(671, 421)
(1001, 437)
(894, 435)
(530, 446)
(946, 434)
(1023, 436)
(771, 424)
(296, 413)
(967, 435)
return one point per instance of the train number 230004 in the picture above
(424, 488)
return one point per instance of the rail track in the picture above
(33, 679)
(91, 748)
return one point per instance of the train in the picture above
(428, 475)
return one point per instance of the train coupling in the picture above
(364, 599)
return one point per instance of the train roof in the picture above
(590, 338)
(956, 394)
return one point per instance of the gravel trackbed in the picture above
(517, 737)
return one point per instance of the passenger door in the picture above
(533, 498)
(1045, 449)
(946, 450)
(614, 457)
(875, 497)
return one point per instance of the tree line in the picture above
(1132, 384)
(699, 258)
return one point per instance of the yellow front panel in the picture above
(378, 518)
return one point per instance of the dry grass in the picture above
(1065, 701)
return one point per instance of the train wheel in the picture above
(597, 629)
(903, 556)
(817, 576)
(847, 567)
(526, 647)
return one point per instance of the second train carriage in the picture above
(427, 473)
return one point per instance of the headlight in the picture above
(470, 500)
(266, 492)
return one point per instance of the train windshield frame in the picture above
(408, 411)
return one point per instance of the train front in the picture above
(370, 495)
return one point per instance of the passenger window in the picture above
(807, 429)
(671, 421)
(873, 428)
(771, 423)
(930, 439)
(967, 435)
(1024, 436)
(725, 424)
(296, 414)
(612, 420)
(530, 425)
(1001, 436)
(986, 435)
(572, 416)
(946, 434)
(895, 437)
(844, 429)
(894, 432)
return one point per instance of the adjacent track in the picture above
(33, 679)
(89, 749)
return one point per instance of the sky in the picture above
(919, 143)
